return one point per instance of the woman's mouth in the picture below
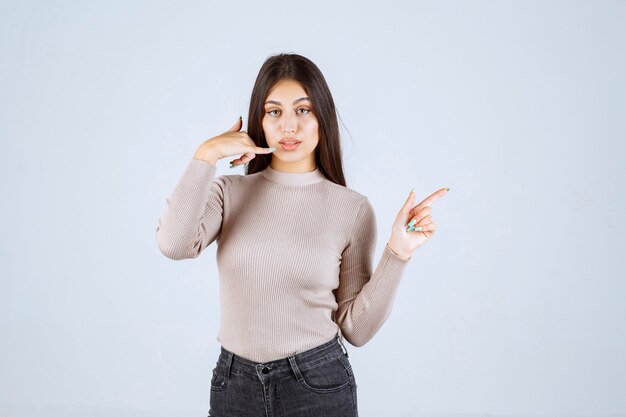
(289, 146)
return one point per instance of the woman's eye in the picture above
(305, 111)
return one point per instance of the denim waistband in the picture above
(280, 367)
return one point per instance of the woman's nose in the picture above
(290, 123)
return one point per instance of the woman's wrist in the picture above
(207, 155)
(398, 253)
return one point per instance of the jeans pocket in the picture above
(330, 376)
(218, 380)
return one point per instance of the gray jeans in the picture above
(317, 382)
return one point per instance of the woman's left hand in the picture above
(406, 235)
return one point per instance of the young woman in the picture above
(295, 250)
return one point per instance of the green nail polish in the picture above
(232, 166)
(418, 228)
(412, 222)
(410, 229)
(272, 149)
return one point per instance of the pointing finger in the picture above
(432, 198)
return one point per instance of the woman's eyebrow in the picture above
(278, 102)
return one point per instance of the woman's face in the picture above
(289, 118)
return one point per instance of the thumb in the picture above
(237, 126)
(408, 204)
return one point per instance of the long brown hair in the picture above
(303, 70)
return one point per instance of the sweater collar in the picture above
(293, 178)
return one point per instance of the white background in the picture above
(516, 307)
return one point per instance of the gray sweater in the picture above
(294, 254)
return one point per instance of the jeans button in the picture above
(266, 370)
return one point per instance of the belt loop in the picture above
(343, 348)
(294, 367)
(229, 364)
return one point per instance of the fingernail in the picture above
(448, 189)
(412, 190)
(410, 229)
(232, 166)
(418, 228)
(240, 118)
(272, 149)
(412, 222)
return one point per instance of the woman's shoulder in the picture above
(237, 179)
(346, 194)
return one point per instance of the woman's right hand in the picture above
(232, 142)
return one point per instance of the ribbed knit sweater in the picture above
(294, 256)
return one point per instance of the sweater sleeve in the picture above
(364, 299)
(193, 214)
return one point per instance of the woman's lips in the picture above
(289, 146)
